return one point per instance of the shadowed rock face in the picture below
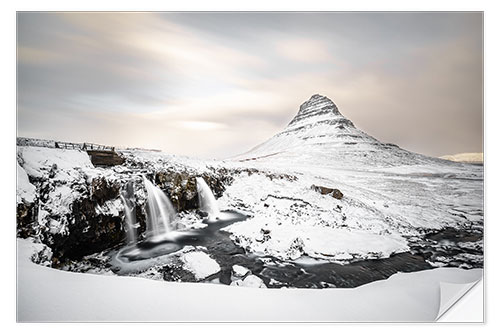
(317, 105)
(326, 190)
(181, 186)
(89, 227)
(318, 110)
(102, 190)
(26, 215)
(90, 230)
(105, 158)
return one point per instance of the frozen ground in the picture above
(45, 294)
(380, 207)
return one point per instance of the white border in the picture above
(8, 88)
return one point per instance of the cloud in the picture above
(304, 50)
(201, 125)
(235, 79)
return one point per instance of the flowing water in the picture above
(160, 238)
(127, 196)
(129, 219)
(160, 211)
(206, 199)
(443, 248)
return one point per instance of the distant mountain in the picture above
(319, 133)
(474, 158)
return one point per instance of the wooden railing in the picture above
(83, 146)
(93, 146)
(64, 145)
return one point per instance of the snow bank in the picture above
(38, 161)
(25, 191)
(250, 281)
(62, 176)
(289, 241)
(45, 294)
(290, 219)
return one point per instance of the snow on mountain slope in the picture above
(320, 134)
(388, 192)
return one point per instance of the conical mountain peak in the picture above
(320, 134)
(319, 109)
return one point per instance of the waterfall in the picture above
(160, 211)
(129, 219)
(206, 199)
(127, 196)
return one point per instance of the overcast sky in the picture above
(217, 84)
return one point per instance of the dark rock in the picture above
(103, 191)
(105, 157)
(26, 216)
(337, 194)
(181, 187)
(321, 189)
(53, 170)
(175, 272)
(225, 276)
(326, 190)
(88, 231)
(201, 214)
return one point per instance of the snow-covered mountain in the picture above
(389, 192)
(319, 133)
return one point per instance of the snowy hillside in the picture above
(389, 192)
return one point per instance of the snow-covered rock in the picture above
(240, 271)
(288, 241)
(37, 253)
(250, 281)
(39, 161)
(200, 264)
(26, 192)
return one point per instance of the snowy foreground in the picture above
(46, 294)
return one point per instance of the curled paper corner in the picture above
(451, 293)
